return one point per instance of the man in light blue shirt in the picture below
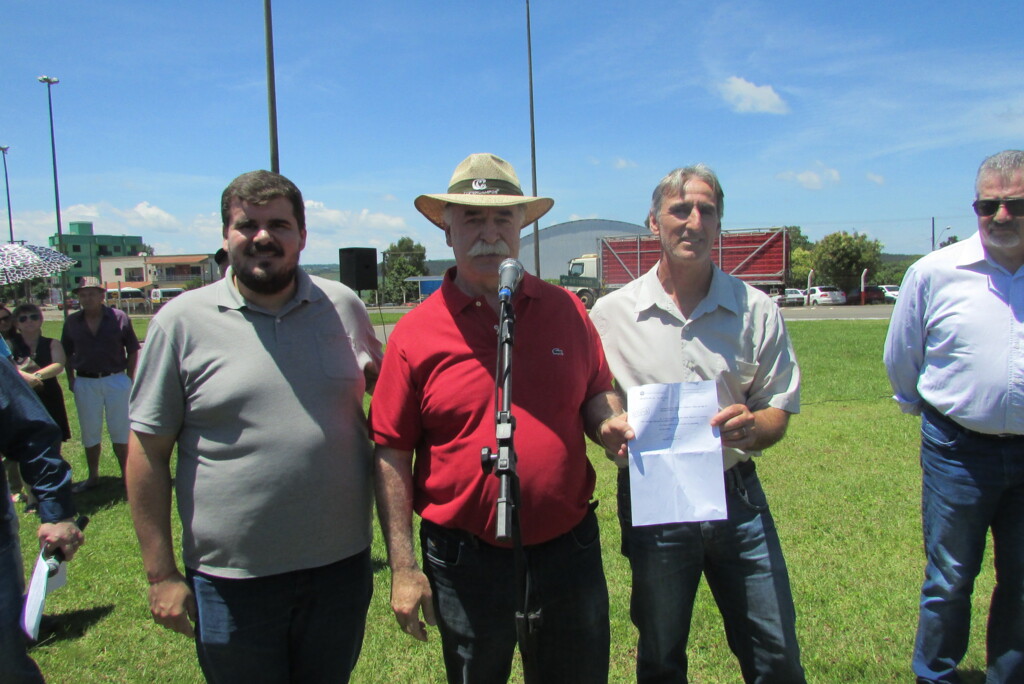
(955, 355)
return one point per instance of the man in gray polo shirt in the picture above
(259, 378)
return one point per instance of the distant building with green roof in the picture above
(86, 249)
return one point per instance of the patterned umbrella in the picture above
(20, 262)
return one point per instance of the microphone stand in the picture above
(503, 464)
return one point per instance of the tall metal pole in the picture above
(533, 142)
(268, 24)
(7, 187)
(50, 82)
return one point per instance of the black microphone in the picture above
(510, 274)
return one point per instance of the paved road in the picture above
(820, 313)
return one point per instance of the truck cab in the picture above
(582, 279)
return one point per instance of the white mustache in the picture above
(481, 248)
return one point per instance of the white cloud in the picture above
(580, 217)
(616, 163)
(167, 249)
(329, 229)
(320, 218)
(812, 179)
(807, 179)
(37, 226)
(34, 227)
(200, 235)
(745, 97)
(207, 226)
(81, 212)
(145, 215)
(875, 178)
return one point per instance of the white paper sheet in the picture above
(38, 588)
(675, 461)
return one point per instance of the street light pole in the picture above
(533, 141)
(7, 187)
(941, 233)
(50, 81)
(268, 30)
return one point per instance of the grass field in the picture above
(844, 487)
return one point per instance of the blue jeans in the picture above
(16, 666)
(971, 483)
(741, 557)
(475, 603)
(301, 626)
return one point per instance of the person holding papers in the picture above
(686, 321)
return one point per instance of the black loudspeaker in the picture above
(358, 267)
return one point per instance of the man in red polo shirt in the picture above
(435, 399)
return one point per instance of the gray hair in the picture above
(1004, 164)
(673, 183)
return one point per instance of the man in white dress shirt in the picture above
(955, 355)
(687, 320)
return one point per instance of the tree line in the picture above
(840, 258)
(837, 259)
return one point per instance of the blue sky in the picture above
(868, 116)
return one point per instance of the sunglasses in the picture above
(988, 207)
(28, 317)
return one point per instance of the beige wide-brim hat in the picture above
(483, 180)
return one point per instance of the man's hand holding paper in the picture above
(675, 460)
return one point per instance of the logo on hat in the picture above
(479, 183)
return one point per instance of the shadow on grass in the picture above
(107, 492)
(972, 676)
(71, 625)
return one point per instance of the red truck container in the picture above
(759, 257)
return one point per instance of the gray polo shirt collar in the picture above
(652, 295)
(228, 296)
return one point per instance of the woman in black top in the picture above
(43, 358)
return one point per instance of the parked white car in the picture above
(791, 297)
(829, 295)
(892, 293)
